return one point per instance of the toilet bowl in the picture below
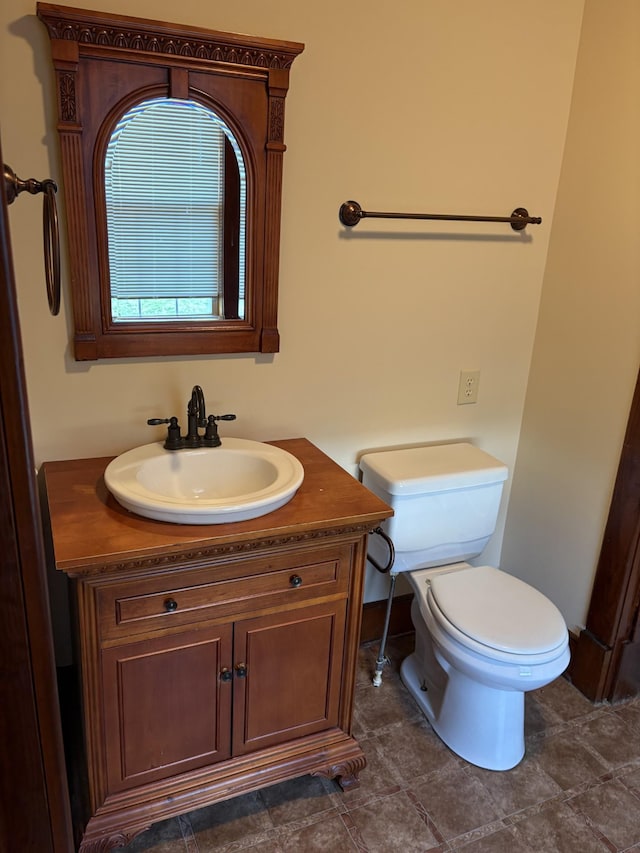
(483, 637)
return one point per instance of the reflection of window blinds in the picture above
(164, 183)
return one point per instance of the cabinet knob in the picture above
(170, 605)
(241, 670)
(295, 580)
(225, 674)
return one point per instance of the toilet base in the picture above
(481, 724)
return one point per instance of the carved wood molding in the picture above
(200, 555)
(108, 842)
(276, 120)
(345, 772)
(67, 95)
(101, 30)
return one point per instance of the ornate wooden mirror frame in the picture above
(104, 62)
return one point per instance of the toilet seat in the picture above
(496, 614)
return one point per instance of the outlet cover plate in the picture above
(468, 387)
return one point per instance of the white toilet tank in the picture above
(445, 499)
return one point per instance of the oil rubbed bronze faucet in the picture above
(196, 420)
(196, 417)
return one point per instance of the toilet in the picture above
(483, 637)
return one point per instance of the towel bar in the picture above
(351, 213)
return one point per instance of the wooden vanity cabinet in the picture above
(194, 670)
(213, 660)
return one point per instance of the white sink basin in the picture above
(242, 479)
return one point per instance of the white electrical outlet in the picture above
(468, 387)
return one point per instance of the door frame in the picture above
(34, 801)
(606, 658)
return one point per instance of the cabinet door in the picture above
(287, 675)
(167, 710)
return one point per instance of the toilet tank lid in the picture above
(434, 468)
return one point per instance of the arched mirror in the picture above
(172, 147)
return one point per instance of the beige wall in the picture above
(587, 346)
(425, 105)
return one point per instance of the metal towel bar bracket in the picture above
(51, 233)
(351, 213)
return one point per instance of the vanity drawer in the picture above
(187, 596)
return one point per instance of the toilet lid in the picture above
(499, 610)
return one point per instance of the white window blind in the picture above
(164, 187)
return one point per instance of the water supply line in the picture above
(386, 569)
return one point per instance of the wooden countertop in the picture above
(90, 530)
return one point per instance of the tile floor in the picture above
(576, 791)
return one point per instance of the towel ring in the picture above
(50, 228)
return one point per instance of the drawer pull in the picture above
(295, 580)
(241, 670)
(170, 605)
(225, 674)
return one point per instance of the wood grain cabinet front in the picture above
(179, 598)
(187, 700)
(167, 707)
(197, 681)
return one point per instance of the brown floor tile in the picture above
(525, 785)
(538, 716)
(393, 823)
(502, 841)
(630, 713)
(366, 664)
(613, 810)
(632, 780)
(556, 828)
(609, 735)
(396, 650)
(379, 777)
(566, 760)
(327, 835)
(296, 799)
(268, 846)
(233, 820)
(563, 700)
(377, 707)
(415, 750)
(456, 801)
(164, 837)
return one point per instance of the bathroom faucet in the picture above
(196, 418)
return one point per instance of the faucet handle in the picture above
(174, 440)
(211, 437)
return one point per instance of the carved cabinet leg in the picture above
(107, 842)
(344, 772)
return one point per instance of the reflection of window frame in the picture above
(165, 161)
(104, 64)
